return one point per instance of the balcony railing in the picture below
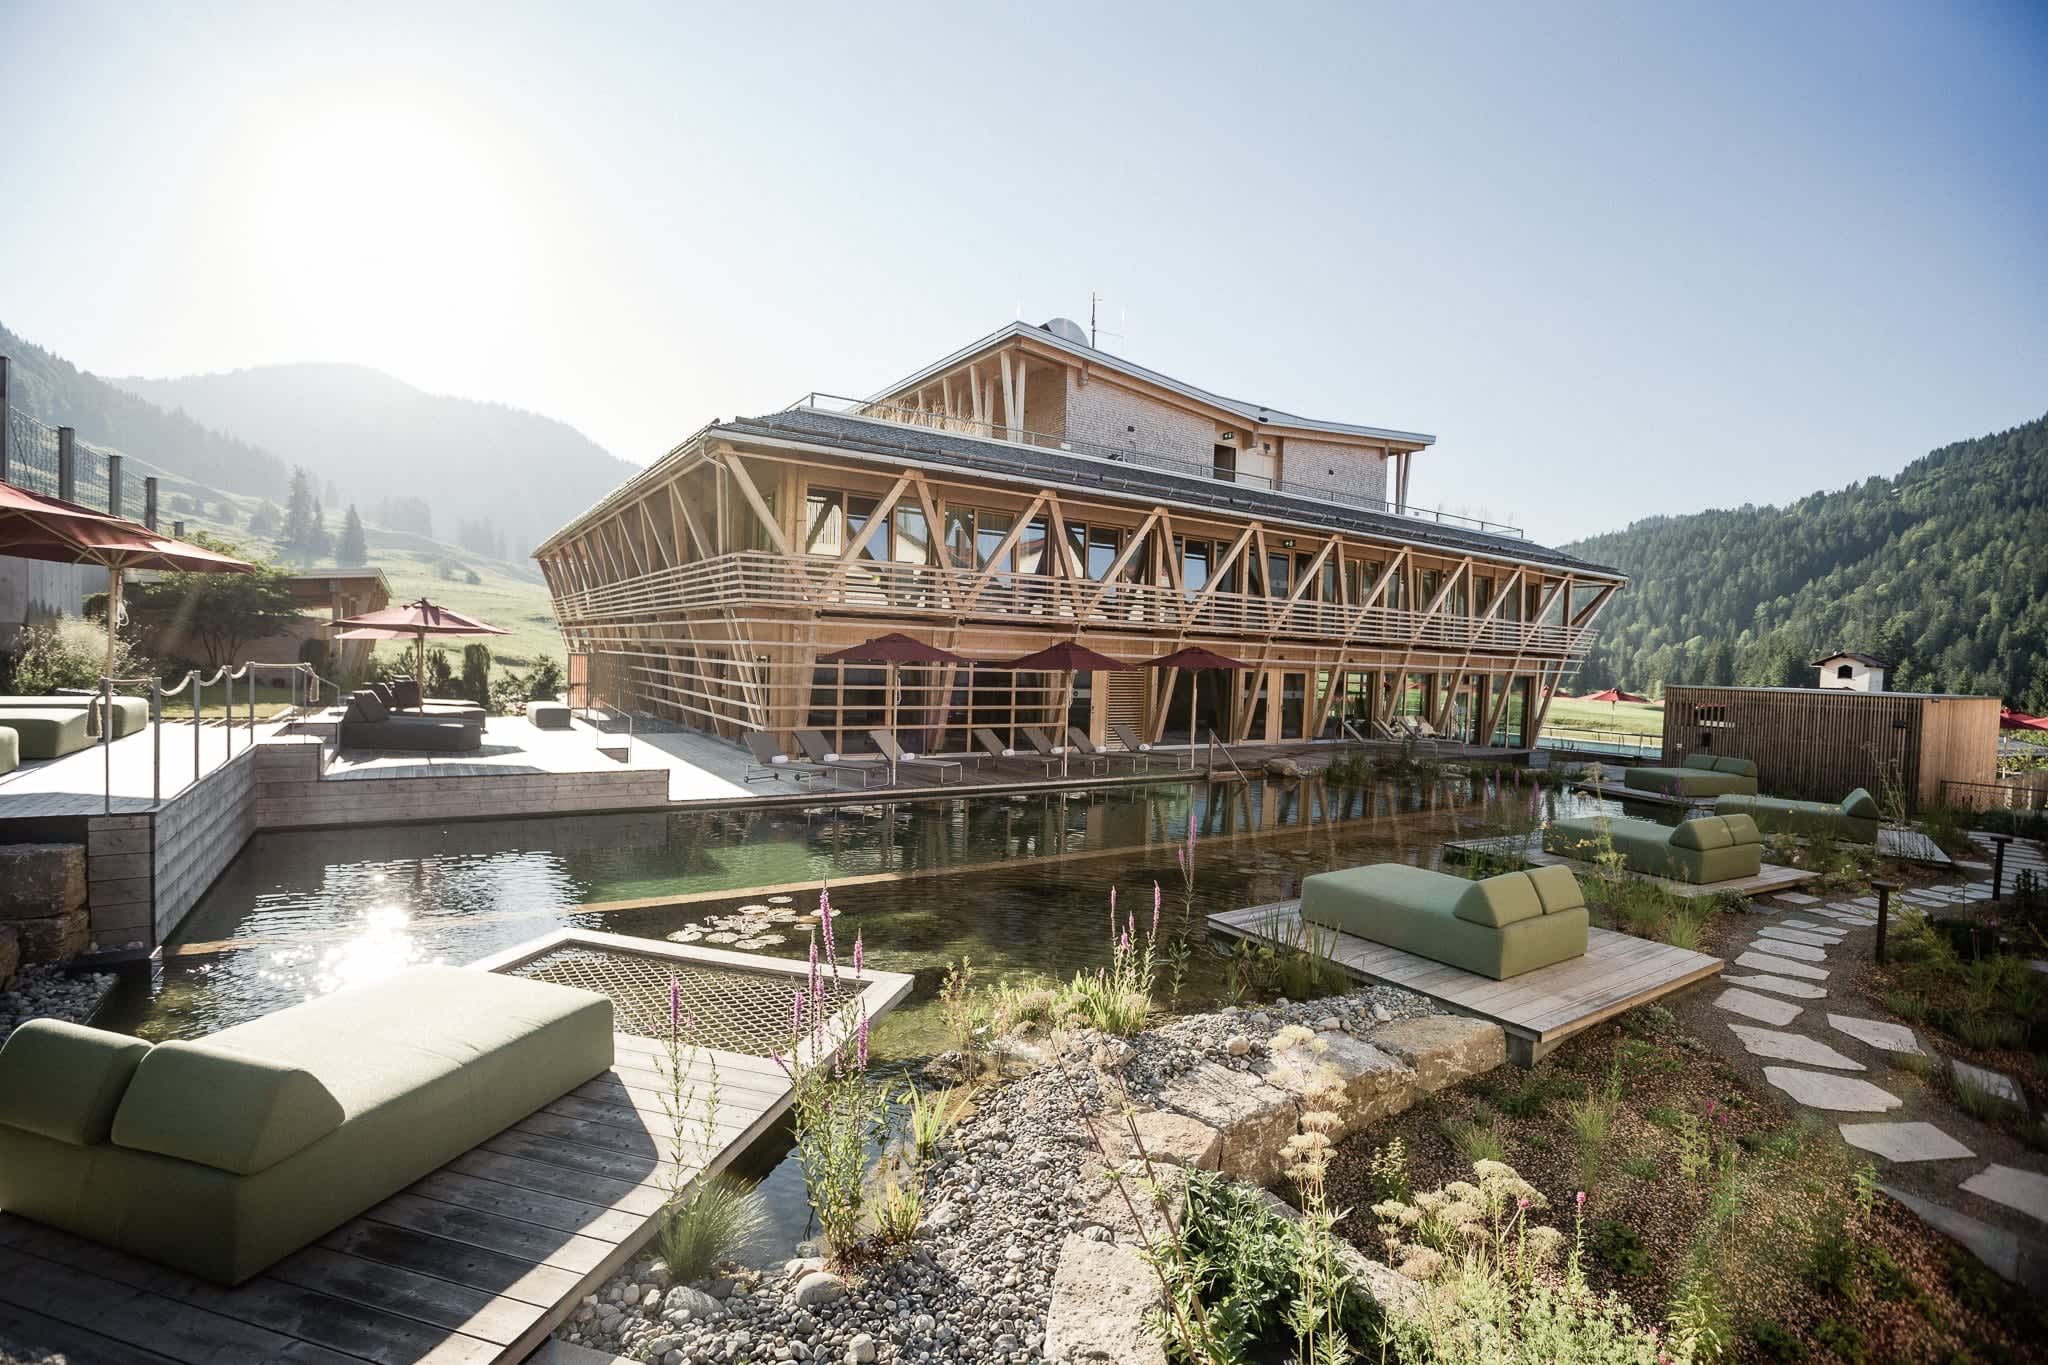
(906, 415)
(765, 579)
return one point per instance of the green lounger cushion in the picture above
(1450, 919)
(1712, 849)
(1855, 817)
(131, 714)
(230, 1110)
(64, 1081)
(46, 732)
(1699, 775)
(423, 1066)
(10, 751)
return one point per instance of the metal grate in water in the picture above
(728, 1008)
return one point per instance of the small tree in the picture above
(476, 673)
(354, 548)
(219, 612)
(440, 679)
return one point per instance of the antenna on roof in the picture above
(1093, 329)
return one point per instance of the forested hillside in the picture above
(57, 393)
(1943, 570)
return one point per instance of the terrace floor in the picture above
(478, 1261)
(1537, 1010)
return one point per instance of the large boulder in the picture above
(55, 938)
(1254, 1119)
(1101, 1293)
(39, 881)
(10, 953)
(1167, 1138)
(1126, 1202)
(1375, 1083)
(1444, 1049)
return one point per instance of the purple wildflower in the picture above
(816, 991)
(796, 1014)
(825, 926)
(858, 952)
(860, 1040)
(1582, 1199)
(675, 1005)
(1155, 909)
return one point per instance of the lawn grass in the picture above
(1628, 717)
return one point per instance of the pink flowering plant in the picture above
(1118, 998)
(839, 1112)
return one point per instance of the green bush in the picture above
(67, 654)
(715, 1221)
(1830, 1264)
(1839, 1337)
(1620, 1248)
(1773, 1342)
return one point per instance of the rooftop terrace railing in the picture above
(900, 414)
(765, 578)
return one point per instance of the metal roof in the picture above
(1250, 412)
(895, 443)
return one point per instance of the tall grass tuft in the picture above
(712, 1222)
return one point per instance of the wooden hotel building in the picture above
(1028, 489)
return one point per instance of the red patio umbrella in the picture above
(33, 526)
(1201, 660)
(893, 649)
(1068, 656)
(2009, 719)
(1611, 695)
(412, 621)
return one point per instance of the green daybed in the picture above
(131, 714)
(1699, 775)
(46, 731)
(1713, 848)
(1500, 927)
(10, 751)
(224, 1155)
(1854, 817)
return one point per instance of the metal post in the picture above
(114, 484)
(1998, 864)
(252, 704)
(156, 730)
(177, 530)
(227, 730)
(67, 464)
(107, 734)
(1884, 911)
(149, 502)
(193, 679)
(6, 420)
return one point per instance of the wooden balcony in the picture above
(882, 589)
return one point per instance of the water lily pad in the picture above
(782, 900)
(722, 936)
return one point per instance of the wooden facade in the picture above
(704, 589)
(1820, 744)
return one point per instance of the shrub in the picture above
(1475, 1142)
(1839, 1337)
(1773, 1342)
(1641, 1167)
(1699, 1315)
(67, 654)
(1388, 1171)
(715, 1220)
(1830, 1264)
(1619, 1247)
(1983, 1105)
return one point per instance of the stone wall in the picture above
(290, 793)
(42, 904)
(200, 833)
(1106, 414)
(1355, 469)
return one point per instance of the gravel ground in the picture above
(1005, 1193)
(48, 992)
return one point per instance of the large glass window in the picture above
(913, 536)
(1031, 556)
(1104, 544)
(825, 522)
(959, 537)
(1278, 579)
(859, 511)
(989, 530)
(1194, 565)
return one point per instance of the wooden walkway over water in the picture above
(477, 1262)
(1537, 1010)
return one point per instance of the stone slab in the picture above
(1786, 948)
(2026, 1191)
(41, 881)
(1444, 1049)
(2021, 1260)
(1821, 1090)
(1904, 1141)
(1750, 1005)
(10, 953)
(1778, 934)
(1780, 966)
(1372, 1083)
(1174, 1139)
(1879, 1033)
(1792, 1047)
(1777, 985)
(1835, 932)
(1254, 1118)
(1101, 1293)
(1997, 1082)
(1797, 898)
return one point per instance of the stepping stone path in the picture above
(1792, 1047)
(1876, 1032)
(1797, 898)
(1841, 1094)
(1904, 1141)
(1783, 947)
(1777, 985)
(1780, 966)
(1776, 933)
(1816, 927)
(2017, 1189)
(1750, 1005)
(1995, 1082)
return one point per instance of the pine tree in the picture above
(301, 514)
(355, 547)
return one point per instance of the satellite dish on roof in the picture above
(1066, 329)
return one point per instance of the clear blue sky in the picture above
(1622, 259)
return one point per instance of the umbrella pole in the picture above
(107, 685)
(1194, 689)
(892, 722)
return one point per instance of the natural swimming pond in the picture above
(1019, 884)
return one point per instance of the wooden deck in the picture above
(478, 1262)
(1537, 1010)
(1770, 877)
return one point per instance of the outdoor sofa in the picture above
(1713, 848)
(46, 731)
(131, 714)
(1498, 927)
(1854, 817)
(403, 694)
(368, 724)
(1699, 775)
(223, 1155)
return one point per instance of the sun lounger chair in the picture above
(1140, 762)
(1714, 848)
(1035, 737)
(403, 694)
(936, 768)
(368, 724)
(1854, 818)
(131, 714)
(771, 763)
(47, 731)
(1699, 775)
(812, 742)
(1002, 754)
(1498, 927)
(1128, 737)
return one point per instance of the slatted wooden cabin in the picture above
(1819, 744)
(1031, 488)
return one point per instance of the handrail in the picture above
(1228, 757)
(910, 416)
(226, 675)
(597, 735)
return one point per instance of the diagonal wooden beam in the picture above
(738, 468)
